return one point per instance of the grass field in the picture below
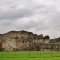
(30, 55)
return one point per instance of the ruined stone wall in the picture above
(20, 40)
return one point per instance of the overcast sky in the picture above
(37, 16)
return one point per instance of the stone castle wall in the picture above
(20, 40)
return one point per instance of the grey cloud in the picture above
(51, 14)
(10, 11)
(46, 15)
(8, 23)
(28, 25)
(15, 14)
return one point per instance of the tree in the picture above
(47, 37)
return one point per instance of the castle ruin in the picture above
(21, 40)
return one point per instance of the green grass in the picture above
(30, 58)
(32, 55)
